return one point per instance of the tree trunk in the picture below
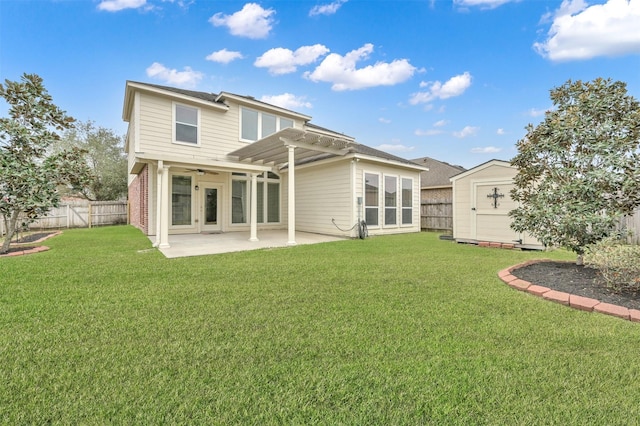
(11, 230)
(580, 260)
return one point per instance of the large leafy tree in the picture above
(29, 177)
(105, 158)
(579, 170)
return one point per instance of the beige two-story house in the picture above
(211, 163)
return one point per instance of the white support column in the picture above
(254, 207)
(292, 197)
(158, 201)
(164, 210)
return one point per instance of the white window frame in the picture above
(266, 180)
(364, 198)
(190, 225)
(259, 124)
(402, 207)
(174, 105)
(384, 200)
(247, 202)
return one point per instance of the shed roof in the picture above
(490, 163)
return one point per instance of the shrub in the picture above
(618, 264)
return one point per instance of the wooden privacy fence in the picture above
(81, 215)
(631, 224)
(436, 216)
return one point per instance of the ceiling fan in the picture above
(202, 172)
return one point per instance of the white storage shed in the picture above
(481, 205)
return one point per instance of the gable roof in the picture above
(310, 129)
(494, 162)
(439, 172)
(213, 99)
(209, 97)
(253, 102)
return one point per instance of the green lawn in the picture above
(389, 330)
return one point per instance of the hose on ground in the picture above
(363, 232)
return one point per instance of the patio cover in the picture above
(274, 149)
(286, 147)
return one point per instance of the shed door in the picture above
(490, 212)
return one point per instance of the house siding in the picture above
(219, 130)
(322, 194)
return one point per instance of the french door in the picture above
(210, 219)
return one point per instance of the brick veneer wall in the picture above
(139, 201)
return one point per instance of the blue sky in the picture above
(454, 80)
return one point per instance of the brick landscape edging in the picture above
(571, 300)
(31, 250)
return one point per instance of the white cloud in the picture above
(485, 150)
(326, 9)
(395, 148)
(580, 31)
(384, 120)
(484, 4)
(455, 86)
(287, 100)
(341, 71)
(467, 131)
(500, 132)
(440, 123)
(533, 112)
(429, 132)
(117, 5)
(186, 79)
(283, 61)
(252, 21)
(224, 56)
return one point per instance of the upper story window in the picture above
(186, 124)
(256, 125)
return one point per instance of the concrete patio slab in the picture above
(184, 245)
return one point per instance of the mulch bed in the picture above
(26, 243)
(34, 237)
(578, 280)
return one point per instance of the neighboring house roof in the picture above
(494, 162)
(439, 172)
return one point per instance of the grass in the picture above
(389, 330)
